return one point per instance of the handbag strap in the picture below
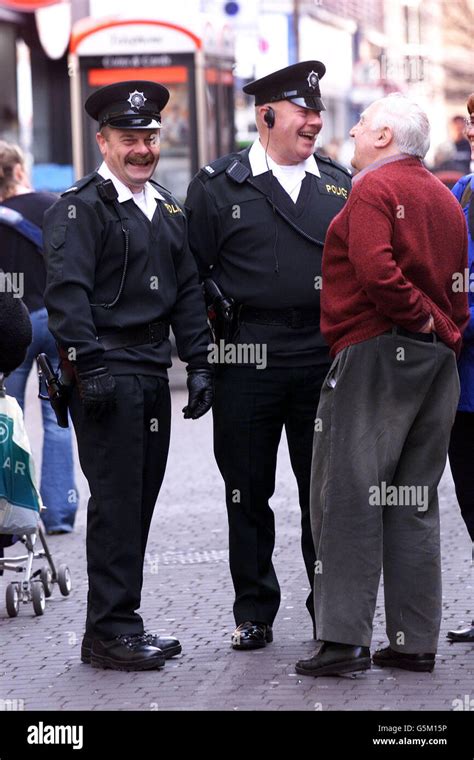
(17, 221)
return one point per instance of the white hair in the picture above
(408, 122)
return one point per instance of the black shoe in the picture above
(126, 653)
(465, 635)
(169, 645)
(388, 658)
(252, 635)
(335, 659)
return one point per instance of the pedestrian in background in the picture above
(461, 143)
(24, 259)
(461, 447)
(394, 324)
(257, 223)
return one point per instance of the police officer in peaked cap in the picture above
(119, 274)
(257, 223)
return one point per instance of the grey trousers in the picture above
(380, 445)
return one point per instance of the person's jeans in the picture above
(58, 489)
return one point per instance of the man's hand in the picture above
(200, 384)
(429, 326)
(97, 391)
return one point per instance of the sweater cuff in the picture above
(417, 325)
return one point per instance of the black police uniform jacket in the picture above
(264, 250)
(84, 249)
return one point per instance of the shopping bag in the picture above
(20, 500)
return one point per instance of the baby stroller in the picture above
(20, 507)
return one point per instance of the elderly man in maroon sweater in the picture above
(394, 324)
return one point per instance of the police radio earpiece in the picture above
(269, 118)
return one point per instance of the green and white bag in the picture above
(20, 500)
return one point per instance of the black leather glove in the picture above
(97, 391)
(200, 384)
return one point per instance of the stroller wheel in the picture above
(47, 578)
(38, 597)
(13, 599)
(64, 580)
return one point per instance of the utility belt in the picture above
(154, 332)
(59, 384)
(226, 316)
(291, 317)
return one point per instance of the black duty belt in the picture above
(282, 317)
(154, 332)
(424, 337)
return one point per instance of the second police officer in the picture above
(257, 222)
(119, 274)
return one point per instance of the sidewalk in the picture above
(188, 592)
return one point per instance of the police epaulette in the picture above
(80, 184)
(336, 164)
(218, 166)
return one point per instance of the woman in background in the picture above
(24, 261)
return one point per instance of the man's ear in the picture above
(101, 142)
(384, 137)
(260, 112)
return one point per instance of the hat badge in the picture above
(136, 99)
(312, 80)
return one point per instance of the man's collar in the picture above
(260, 161)
(124, 192)
(379, 163)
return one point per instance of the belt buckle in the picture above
(296, 318)
(155, 332)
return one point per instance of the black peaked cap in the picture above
(298, 83)
(133, 104)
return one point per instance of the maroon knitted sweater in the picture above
(389, 258)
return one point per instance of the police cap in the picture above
(298, 83)
(128, 105)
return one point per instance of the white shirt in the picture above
(289, 177)
(145, 199)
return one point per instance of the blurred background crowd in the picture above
(53, 54)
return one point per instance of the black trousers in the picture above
(123, 457)
(251, 408)
(461, 459)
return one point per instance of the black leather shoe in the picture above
(335, 659)
(465, 635)
(169, 645)
(126, 653)
(252, 635)
(388, 658)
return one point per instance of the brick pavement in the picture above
(188, 592)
